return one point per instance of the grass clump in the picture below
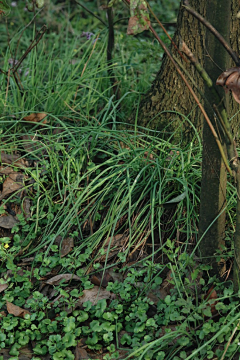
(99, 218)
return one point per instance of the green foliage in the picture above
(85, 163)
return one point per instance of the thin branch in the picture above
(34, 43)
(213, 31)
(221, 116)
(90, 12)
(194, 96)
(110, 48)
(165, 31)
(196, 99)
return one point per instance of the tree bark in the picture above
(169, 96)
(168, 92)
(214, 175)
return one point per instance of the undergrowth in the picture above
(99, 218)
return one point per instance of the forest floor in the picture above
(99, 217)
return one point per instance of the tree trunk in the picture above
(169, 96)
(214, 175)
(169, 93)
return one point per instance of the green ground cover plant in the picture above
(98, 245)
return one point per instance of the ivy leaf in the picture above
(139, 20)
(83, 316)
(92, 340)
(69, 340)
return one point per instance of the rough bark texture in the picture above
(214, 179)
(233, 110)
(168, 92)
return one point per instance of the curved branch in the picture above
(213, 31)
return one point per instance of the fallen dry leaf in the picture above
(80, 354)
(5, 170)
(3, 287)
(94, 295)
(167, 285)
(58, 278)
(16, 310)
(114, 244)
(8, 221)
(25, 353)
(26, 207)
(211, 295)
(36, 117)
(14, 160)
(66, 245)
(12, 183)
(155, 295)
(31, 143)
(101, 280)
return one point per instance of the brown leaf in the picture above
(135, 26)
(58, 278)
(3, 287)
(117, 242)
(211, 295)
(98, 279)
(167, 285)
(67, 246)
(16, 310)
(6, 170)
(155, 295)
(8, 222)
(31, 143)
(12, 183)
(13, 159)
(230, 80)
(94, 295)
(36, 117)
(26, 207)
(80, 354)
(25, 353)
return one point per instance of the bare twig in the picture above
(94, 44)
(213, 31)
(221, 116)
(35, 41)
(165, 31)
(230, 340)
(90, 12)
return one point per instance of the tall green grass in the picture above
(92, 176)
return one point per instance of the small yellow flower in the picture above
(6, 246)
